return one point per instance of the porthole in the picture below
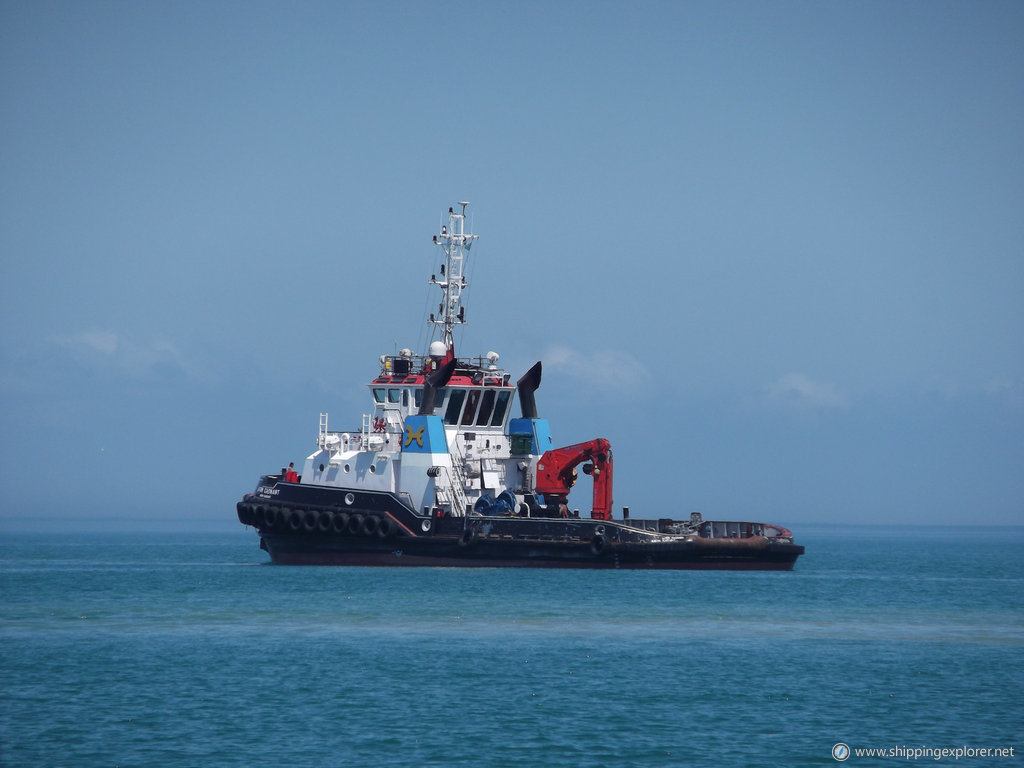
(321, 467)
(350, 498)
(373, 469)
(348, 468)
(425, 525)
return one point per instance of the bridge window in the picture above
(471, 403)
(394, 395)
(418, 399)
(486, 407)
(500, 408)
(451, 416)
(378, 394)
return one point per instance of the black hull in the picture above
(301, 550)
(299, 525)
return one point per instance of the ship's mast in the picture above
(455, 242)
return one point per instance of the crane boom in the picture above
(556, 474)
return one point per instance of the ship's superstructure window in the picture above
(460, 406)
(451, 416)
(486, 407)
(500, 408)
(481, 407)
(471, 403)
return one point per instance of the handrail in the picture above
(458, 482)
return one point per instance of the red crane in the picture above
(556, 475)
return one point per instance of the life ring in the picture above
(598, 544)
(323, 522)
(468, 538)
(370, 525)
(386, 528)
(355, 524)
(340, 522)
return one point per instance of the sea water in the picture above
(190, 650)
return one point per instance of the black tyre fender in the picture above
(323, 522)
(340, 522)
(278, 517)
(308, 520)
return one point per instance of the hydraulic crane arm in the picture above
(556, 474)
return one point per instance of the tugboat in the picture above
(440, 473)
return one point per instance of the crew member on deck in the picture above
(291, 476)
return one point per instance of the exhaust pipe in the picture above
(431, 384)
(527, 385)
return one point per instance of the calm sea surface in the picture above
(189, 650)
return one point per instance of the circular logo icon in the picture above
(841, 752)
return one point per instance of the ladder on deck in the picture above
(454, 494)
(456, 490)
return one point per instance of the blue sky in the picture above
(773, 251)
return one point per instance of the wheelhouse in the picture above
(460, 405)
